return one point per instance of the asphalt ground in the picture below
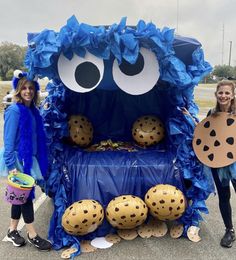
(211, 231)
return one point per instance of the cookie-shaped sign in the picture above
(214, 141)
(148, 130)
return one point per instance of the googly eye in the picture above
(18, 74)
(81, 74)
(138, 78)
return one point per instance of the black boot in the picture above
(228, 238)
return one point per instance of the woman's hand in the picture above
(14, 171)
(187, 113)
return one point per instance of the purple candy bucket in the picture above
(18, 188)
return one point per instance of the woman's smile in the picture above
(224, 95)
(27, 93)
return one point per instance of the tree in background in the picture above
(11, 58)
(224, 71)
(220, 72)
(234, 70)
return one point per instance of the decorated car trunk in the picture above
(120, 146)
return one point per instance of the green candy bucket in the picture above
(18, 188)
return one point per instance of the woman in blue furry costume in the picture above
(24, 151)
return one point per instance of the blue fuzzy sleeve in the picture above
(11, 123)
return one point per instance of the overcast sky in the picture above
(212, 22)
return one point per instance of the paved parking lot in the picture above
(153, 248)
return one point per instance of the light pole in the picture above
(223, 39)
(177, 17)
(230, 48)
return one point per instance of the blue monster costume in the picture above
(85, 65)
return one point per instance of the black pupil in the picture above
(132, 69)
(87, 74)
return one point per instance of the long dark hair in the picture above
(233, 101)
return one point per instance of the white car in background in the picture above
(7, 100)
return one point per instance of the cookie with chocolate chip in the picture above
(214, 141)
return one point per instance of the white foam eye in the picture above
(81, 74)
(138, 78)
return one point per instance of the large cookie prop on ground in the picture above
(214, 140)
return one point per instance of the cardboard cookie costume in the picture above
(214, 147)
(114, 75)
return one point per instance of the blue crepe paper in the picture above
(124, 43)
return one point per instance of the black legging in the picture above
(27, 211)
(224, 199)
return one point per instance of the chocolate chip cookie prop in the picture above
(82, 217)
(86, 247)
(113, 238)
(127, 234)
(165, 202)
(67, 253)
(126, 212)
(81, 130)
(214, 140)
(193, 234)
(148, 130)
(145, 230)
(159, 228)
(176, 230)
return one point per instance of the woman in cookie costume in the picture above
(225, 102)
(24, 151)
